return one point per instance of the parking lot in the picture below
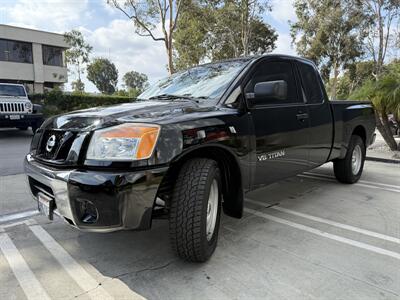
(305, 237)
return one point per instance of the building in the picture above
(32, 57)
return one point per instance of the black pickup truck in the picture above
(193, 145)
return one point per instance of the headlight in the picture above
(28, 105)
(124, 142)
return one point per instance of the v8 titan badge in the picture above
(271, 155)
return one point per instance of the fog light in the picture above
(88, 212)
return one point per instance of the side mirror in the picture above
(274, 90)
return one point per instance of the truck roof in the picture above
(256, 57)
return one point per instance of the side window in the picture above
(311, 83)
(280, 72)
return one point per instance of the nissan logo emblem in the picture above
(51, 142)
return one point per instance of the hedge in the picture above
(57, 102)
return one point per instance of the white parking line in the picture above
(75, 270)
(27, 280)
(330, 222)
(325, 234)
(18, 216)
(360, 181)
(358, 184)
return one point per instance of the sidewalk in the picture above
(379, 151)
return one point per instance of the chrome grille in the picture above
(12, 107)
(63, 143)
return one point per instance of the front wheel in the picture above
(349, 169)
(196, 210)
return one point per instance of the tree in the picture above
(381, 16)
(135, 80)
(221, 30)
(78, 86)
(250, 10)
(263, 38)
(77, 55)
(353, 78)
(103, 74)
(148, 14)
(385, 96)
(327, 31)
(190, 36)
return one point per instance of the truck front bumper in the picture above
(24, 120)
(97, 201)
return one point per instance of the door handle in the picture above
(302, 117)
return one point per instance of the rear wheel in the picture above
(196, 210)
(349, 169)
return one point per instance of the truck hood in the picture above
(13, 99)
(158, 112)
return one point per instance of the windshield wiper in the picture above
(176, 97)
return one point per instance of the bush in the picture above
(57, 102)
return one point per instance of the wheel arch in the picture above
(361, 132)
(232, 186)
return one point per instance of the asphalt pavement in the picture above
(14, 144)
(306, 237)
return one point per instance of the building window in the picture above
(52, 56)
(15, 51)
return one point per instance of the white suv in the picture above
(16, 110)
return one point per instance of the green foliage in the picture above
(57, 102)
(149, 15)
(263, 37)
(131, 93)
(103, 74)
(77, 55)
(354, 76)
(381, 17)
(328, 32)
(384, 93)
(78, 86)
(135, 80)
(190, 37)
(218, 30)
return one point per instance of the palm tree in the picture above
(385, 96)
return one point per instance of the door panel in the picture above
(321, 120)
(281, 142)
(281, 124)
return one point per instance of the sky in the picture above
(113, 36)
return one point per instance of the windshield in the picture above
(12, 90)
(207, 81)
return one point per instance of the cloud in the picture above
(54, 15)
(112, 39)
(118, 42)
(284, 44)
(283, 10)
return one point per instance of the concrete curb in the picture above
(385, 160)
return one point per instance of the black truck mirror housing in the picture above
(271, 89)
(268, 90)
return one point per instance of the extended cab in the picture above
(193, 145)
(16, 110)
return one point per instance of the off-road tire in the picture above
(343, 167)
(188, 211)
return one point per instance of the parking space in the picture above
(302, 238)
(14, 144)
